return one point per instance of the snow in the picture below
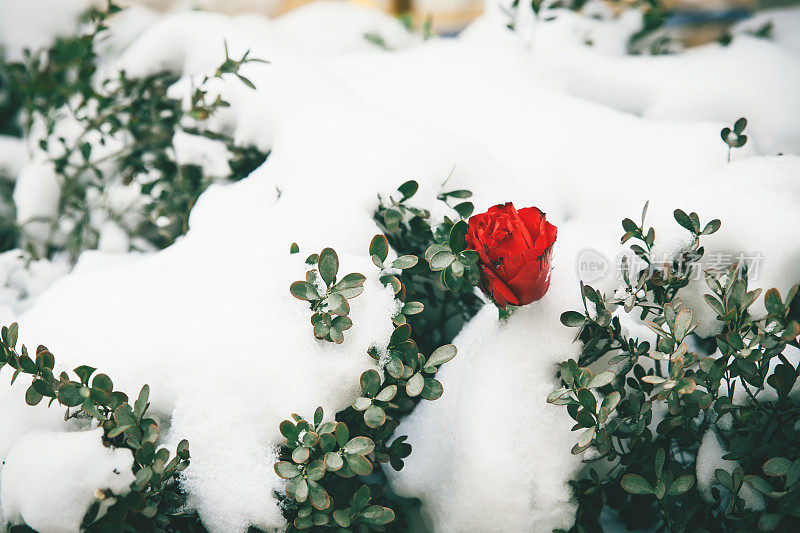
(36, 196)
(586, 134)
(12, 156)
(709, 459)
(490, 447)
(330, 27)
(23, 26)
(720, 195)
(785, 22)
(80, 464)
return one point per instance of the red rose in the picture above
(515, 248)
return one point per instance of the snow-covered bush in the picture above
(145, 499)
(114, 151)
(651, 413)
(310, 362)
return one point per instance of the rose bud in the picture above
(515, 249)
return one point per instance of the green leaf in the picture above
(458, 233)
(327, 442)
(338, 304)
(769, 522)
(636, 484)
(361, 403)
(415, 384)
(587, 400)
(461, 193)
(351, 281)
(683, 219)
(370, 383)
(360, 465)
(394, 366)
(374, 416)
(572, 319)
(392, 219)
(32, 396)
(297, 488)
(715, 304)
(413, 308)
(117, 431)
(740, 125)
(393, 282)
(681, 485)
(11, 334)
(84, 372)
(400, 334)
(86, 151)
(586, 437)
(303, 290)
(464, 209)
(441, 355)
(723, 478)
(141, 403)
(315, 470)
(342, 517)
(683, 323)
(103, 382)
(405, 261)
(659, 464)
(286, 470)
(341, 323)
(328, 265)
(432, 389)
(441, 260)
(379, 246)
(777, 466)
(556, 394)
(712, 227)
(359, 446)
(387, 393)
(377, 515)
(333, 461)
(408, 189)
(301, 454)
(759, 483)
(611, 401)
(318, 496)
(294, 248)
(70, 395)
(341, 433)
(601, 380)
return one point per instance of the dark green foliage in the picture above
(127, 129)
(734, 138)
(445, 296)
(330, 307)
(155, 501)
(48, 79)
(650, 39)
(649, 480)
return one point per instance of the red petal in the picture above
(533, 280)
(498, 291)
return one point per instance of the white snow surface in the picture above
(50, 478)
(490, 447)
(585, 134)
(32, 24)
(709, 459)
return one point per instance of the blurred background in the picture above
(693, 22)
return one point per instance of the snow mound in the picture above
(209, 323)
(79, 463)
(491, 454)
